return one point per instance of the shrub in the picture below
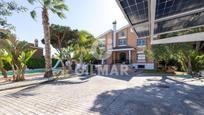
(34, 63)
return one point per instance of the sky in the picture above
(94, 16)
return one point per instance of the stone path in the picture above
(107, 96)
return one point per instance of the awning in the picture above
(125, 48)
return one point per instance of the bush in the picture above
(73, 66)
(7, 66)
(34, 63)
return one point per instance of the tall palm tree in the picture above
(57, 7)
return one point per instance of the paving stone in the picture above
(101, 95)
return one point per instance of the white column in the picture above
(114, 33)
(152, 12)
(102, 61)
(129, 56)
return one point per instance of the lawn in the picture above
(155, 72)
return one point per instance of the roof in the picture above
(150, 18)
(126, 26)
(105, 33)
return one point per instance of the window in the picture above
(140, 42)
(101, 43)
(122, 42)
(141, 57)
(122, 34)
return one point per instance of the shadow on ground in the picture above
(166, 97)
(30, 91)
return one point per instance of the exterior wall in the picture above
(134, 56)
(130, 37)
(108, 44)
(109, 40)
(39, 51)
(148, 66)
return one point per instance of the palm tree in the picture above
(2, 64)
(23, 59)
(57, 7)
(84, 45)
(17, 54)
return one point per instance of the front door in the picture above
(122, 57)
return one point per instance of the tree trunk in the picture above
(14, 72)
(23, 73)
(69, 65)
(48, 60)
(189, 65)
(63, 67)
(81, 59)
(3, 72)
(198, 44)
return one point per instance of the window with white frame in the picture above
(122, 39)
(122, 34)
(101, 43)
(141, 57)
(122, 42)
(140, 42)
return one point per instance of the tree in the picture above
(160, 53)
(17, 53)
(23, 59)
(84, 44)
(63, 39)
(2, 64)
(7, 8)
(62, 36)
(57, 7)
(186, 54)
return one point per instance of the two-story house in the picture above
(126, 48)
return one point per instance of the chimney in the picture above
(114, 33)
(36, 43)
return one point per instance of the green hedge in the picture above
(34, 63)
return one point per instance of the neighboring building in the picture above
(39, 52)
(126, 48)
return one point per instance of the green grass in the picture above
(155, 71)
(184, 76)
(163, 72)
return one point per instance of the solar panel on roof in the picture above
(171, 7)
(136, 10)
(180, 23)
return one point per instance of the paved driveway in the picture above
(140, 95)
